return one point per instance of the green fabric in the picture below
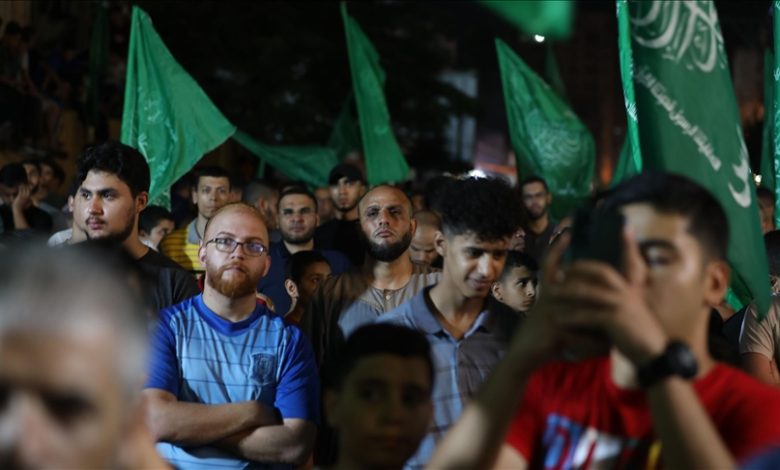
(689, 123)
(308, 164)
(384, 160)
(167, 116)
(548, 139)
(630, 159)
(769, 153)
(98, 61)
(345, 137)
(626, 166)
(551, 18)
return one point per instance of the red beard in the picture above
(236, 285)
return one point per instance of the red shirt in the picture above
(573, 416)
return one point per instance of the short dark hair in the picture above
(121, 160)
(674, 194)
(518, 259)
(533, 179)
(486, 207)
(299, 262)
(379, 338)
(256, 189)
(772, 243)
(59, 173)
(13, 174)
(298, 190)
(765, 193)
(210, 171)
(151, 216)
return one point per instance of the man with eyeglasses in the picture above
(231, 384)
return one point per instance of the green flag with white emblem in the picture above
(167, 116)
(384, 160)
(548, 138)
(689, 124)
(630, 159)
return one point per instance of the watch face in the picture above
(682, 360)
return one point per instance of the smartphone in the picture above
(597, 234)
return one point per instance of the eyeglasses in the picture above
(228, 245)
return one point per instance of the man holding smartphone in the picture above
(659, 398)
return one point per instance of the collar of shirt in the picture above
(192, 232)
(425, 320)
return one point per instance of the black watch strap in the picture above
(677, 359)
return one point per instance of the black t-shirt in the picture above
(536, 245)
(169, 282)
(343, 236)
(37, 219)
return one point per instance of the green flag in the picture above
(768, 157)
(308, 164)
(345, 137)
(689, 124)
(630, 159)
(626, 166)
(548, 139)
(543, 17)
(384, 160)
(98, 61)
(166, 116)
(770, 150)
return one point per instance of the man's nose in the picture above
(95, 205)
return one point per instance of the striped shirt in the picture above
(182, 246)
(201, 357)
(460, 365)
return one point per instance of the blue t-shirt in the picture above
(201, 357)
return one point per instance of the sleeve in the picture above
(526, 427)
(184, 287)
(163, 363)
(298, 391)
(758, 336)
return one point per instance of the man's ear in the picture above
(194, 194)
(498, 291)
(291, 288)
(141, 201)
(413, 223)
(717, 275)
(202, 252)
(440, 243)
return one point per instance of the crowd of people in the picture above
(42, 80)
(355, 326)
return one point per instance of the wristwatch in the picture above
(676, 359)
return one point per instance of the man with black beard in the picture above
(386, 279)
(231, 384)
(113, 184)
(297, 220)
(536, 202)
